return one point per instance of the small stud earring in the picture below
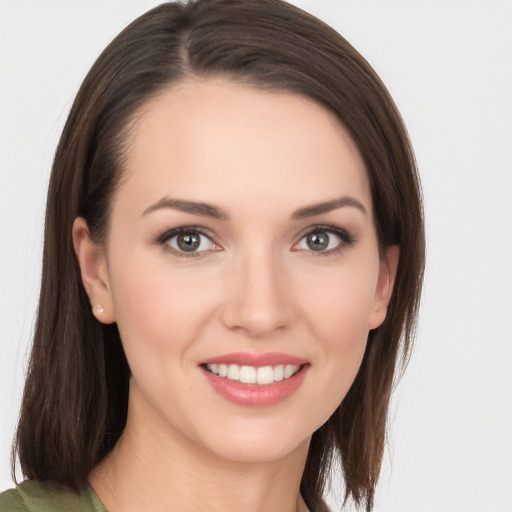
(99, 309)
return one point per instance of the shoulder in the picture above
(33, 496)
(11, 501)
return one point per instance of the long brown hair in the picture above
(76, 393)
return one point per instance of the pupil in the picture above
(188, 242)
(318, 242)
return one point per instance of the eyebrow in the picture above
(196, 208)
(209, 210)
(328, 206)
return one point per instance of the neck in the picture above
(148, 470)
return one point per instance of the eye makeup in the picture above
(319, 240)
(188, 242)
(195, 241)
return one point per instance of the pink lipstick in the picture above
(255, 380)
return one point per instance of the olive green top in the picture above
(33, 496)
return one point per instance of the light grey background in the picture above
(448, 65)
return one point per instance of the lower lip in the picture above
(254, 395)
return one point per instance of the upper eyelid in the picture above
(217, 240)
(170, 233)
(164, 238)
(347, 238)
(324, 227)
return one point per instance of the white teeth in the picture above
(265, 375)
(233, 372)
(279, 373)
(289, 370)
(250, 375)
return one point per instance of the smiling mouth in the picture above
(262, 376)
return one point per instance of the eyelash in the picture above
(346, 240)
(163, 240)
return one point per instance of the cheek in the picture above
(139, 301)
(340, 304)
(338, 315)
(156, 308)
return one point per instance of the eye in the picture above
(324, 240)
(319, 241)
(188, 241)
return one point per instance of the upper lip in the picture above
(256, 360)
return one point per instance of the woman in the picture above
(233, 254)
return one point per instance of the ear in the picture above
(387, 274)
(93, 269)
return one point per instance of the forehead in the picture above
(212, 140)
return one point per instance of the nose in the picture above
(259, 300)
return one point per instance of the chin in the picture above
(258, 441)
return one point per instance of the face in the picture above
(242, 268)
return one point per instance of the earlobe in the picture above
(93, 270)
(386, 281)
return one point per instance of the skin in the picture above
(256, 286)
